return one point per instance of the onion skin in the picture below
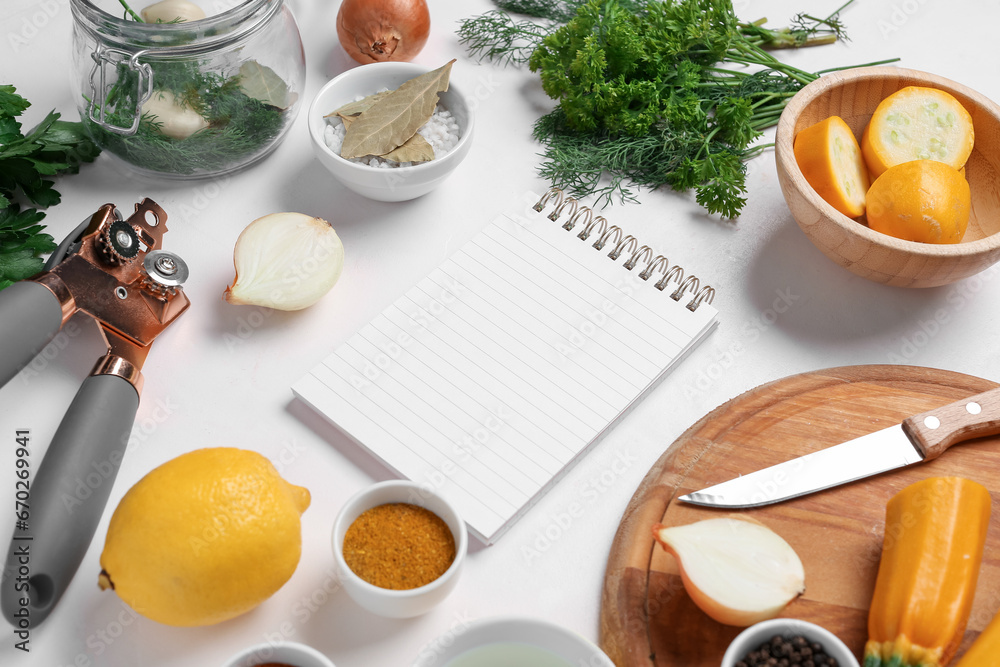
(380, 30)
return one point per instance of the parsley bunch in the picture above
(53, 147)
(650, 92)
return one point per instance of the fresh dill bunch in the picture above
(558, 10)
(555, 10)
(498, 37)
(640, 96)
(687, 149)
(653, 93)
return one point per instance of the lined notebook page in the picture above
(492, 374)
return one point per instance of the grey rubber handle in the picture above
(30, 316)
(66, 499)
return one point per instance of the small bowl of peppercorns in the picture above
(788, 642)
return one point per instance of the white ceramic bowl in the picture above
(397, 184)
(383, 601)
(291, 653)
(761, 632)
(537, 633)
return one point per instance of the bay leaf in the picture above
(397, 116)
(360, 106)
(263, 83)
(414, 149)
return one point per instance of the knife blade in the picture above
(917, 439)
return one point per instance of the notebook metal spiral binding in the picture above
(606, 233)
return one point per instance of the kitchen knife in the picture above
(919, 438)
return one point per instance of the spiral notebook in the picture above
(492, 375)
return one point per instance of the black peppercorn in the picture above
(788, 652)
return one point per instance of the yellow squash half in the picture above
(985, 651)
(935, 531)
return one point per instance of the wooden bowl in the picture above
(853, 95)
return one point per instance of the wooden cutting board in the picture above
(647, 619)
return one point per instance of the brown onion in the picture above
(379, 30)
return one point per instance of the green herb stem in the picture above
(130, 12)
(759, 107)
(846, 67)
(757, 150)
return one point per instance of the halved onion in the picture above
(737, 571)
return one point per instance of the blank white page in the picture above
(490, 376)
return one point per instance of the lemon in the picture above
(204, 537)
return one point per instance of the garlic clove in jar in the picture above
(286, 261)
(172, 11)
(173, 119)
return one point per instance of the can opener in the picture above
(113, 271)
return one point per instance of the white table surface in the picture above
(221, 374)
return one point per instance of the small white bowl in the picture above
(384, 601)
(291, 653)
(537, 633)
(761, 632)
(401, 183)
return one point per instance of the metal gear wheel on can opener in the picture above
(119, 242)
(162, 273)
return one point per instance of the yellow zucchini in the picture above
(829, 157)
(935, 531)
(985, 651)
(917, 123)
(923, 200)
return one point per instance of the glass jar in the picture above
(188, 100)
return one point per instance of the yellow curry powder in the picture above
(399, 546)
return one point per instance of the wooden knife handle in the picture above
(936, 430)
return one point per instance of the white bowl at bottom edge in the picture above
(761, 632)
(291, 653)
(556, 639)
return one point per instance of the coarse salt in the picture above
(441, 132)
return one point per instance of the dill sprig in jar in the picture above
(187, 99)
